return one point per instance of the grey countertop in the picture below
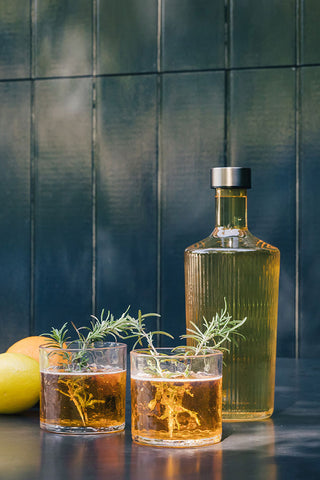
(287, 446)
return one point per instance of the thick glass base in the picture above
(160, 442)
(246, 416)
(80, 430)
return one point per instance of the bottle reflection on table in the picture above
(248, 447)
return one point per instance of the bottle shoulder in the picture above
(240, 241)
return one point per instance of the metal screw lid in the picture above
(230, 177)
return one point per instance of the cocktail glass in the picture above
(83, 390)
(176, 398)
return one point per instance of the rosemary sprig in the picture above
(59, 337)
(101, 328)
(124, 327)
(215, 333)
(138, 329)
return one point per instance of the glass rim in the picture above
(104, 346)
(145, 352)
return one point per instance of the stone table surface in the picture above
(287, 446)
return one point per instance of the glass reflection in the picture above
(100, 456)
(155, 463)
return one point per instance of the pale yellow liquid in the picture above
(245, 271)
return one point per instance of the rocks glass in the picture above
(176, 397)
(83, 389)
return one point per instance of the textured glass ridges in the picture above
(248, 280)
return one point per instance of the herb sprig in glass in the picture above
(216, 333)
(125, 327)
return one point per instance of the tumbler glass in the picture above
(176, 398)
(83, 389)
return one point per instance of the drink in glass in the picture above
(83, 391)
(176, 400)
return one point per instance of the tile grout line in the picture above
(299, 27)
(164, 72)
(159, 37)
(32, 166)
(94, 154)
(227, 77)
(158, 164)
(297, 233)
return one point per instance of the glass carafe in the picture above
(234, 266)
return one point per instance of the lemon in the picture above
(19, 382)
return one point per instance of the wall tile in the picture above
(309, 224)
(127, 36)
(63, 38)
(192, 34)
(310, 48)
(192, 142)
(263, 137)
(14, 213)
(262, 33)
(63, 216)
(126, 194)
(15, 38)
(127, 157)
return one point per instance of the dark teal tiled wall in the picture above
(63, 38)
(262, 136)
(126, 193)
(127, 36)
(309, 201)
(310, 32)
(112, 113)
(15, 39)
(262, 33)
(15, 221)
(192, 136)
(192, 35)
(62, 200)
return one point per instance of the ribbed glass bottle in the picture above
(234, 265)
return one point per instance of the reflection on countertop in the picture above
(287, 446)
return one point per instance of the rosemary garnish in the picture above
(101, 328)
(125, 327)
(77, 394)
(215, 333)
(138, 330)
(59, 337)
(75, 354)
(168, 399)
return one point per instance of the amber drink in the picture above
(83, 392)
(176, 401)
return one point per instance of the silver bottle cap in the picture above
(230, 177)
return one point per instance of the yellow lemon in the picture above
(19, 382)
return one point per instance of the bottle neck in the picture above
(231, 208)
